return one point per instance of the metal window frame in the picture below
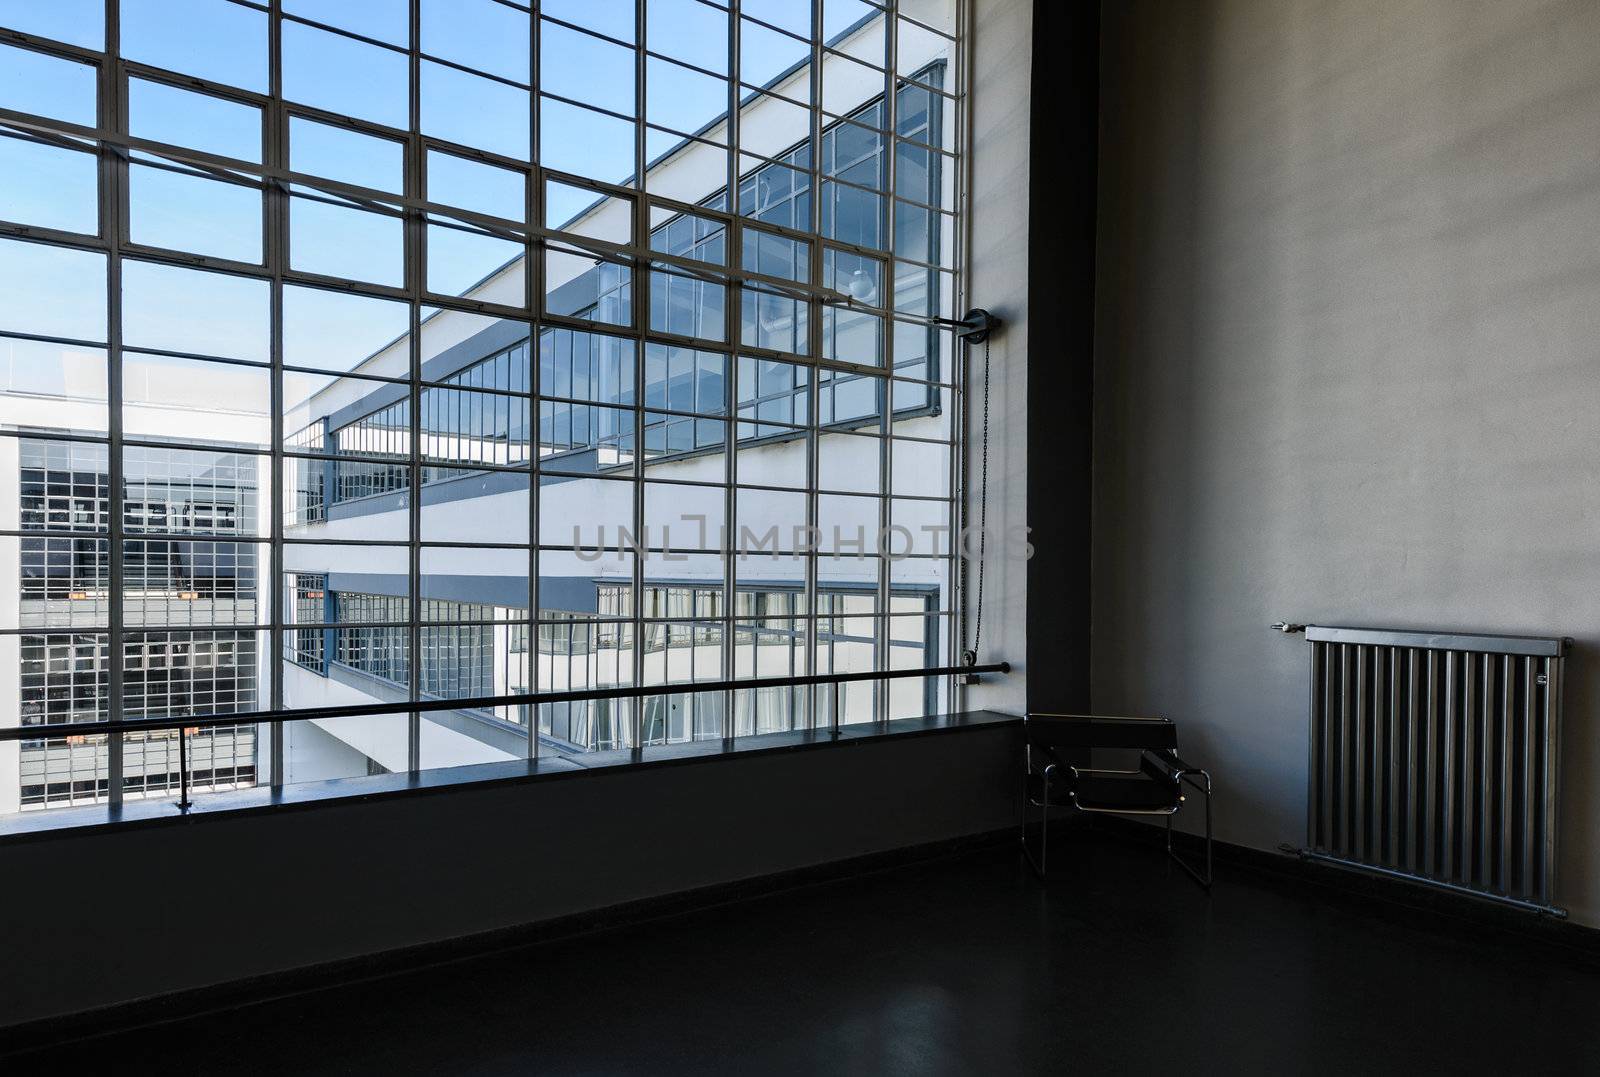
(114, 146)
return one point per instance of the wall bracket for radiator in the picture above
(1435, 757)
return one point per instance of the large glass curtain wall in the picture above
(336, 334)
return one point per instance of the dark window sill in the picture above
(163, 811)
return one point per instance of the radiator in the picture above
(1435, 756)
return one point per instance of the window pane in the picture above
(854, 17)
(582, 286)
(777, 193)
(461, 259)
(686, 100)
(72, 378)
(916, 48)
(774, 320)
(784, 14)
(337, 153)
(47, 86)
(338, 240)
(585, 142)
(185, 211)
(853, 89)
(352, 78)
(337, 331)
(474, 111)
(584, 211)
(856, 275)
(614, 18)
(690, 31)
(165, 113)
(213, 39)
(384, 20)
(52, 291)
(586, 69)
(852, 336)
(774, 255)
(77, 22)
(852, 215)
(48, 186)
(481, 34)
(687, 306)
(768, 59)
(170, 308)
(214, 403)
(688, 235)
(456, 181)
(773, 127)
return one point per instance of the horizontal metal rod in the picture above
(1439, 884)
(277, 717)
(1541, 646)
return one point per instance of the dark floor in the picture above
(960, 965)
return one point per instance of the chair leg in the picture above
(1044, 826)
(1203, 879)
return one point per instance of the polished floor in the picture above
(959, 965)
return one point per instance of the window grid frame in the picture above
(111, 144)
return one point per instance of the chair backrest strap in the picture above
(1095, 731)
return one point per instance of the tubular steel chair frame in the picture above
(1161, 775)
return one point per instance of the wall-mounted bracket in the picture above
(976, 327)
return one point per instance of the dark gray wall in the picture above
(108, 917)
(1061, 268)
(1347, 330)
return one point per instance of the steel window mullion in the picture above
(276, 220)
(415, 277)
(814, 396)
(113, 227)
(534, 278)
(732, 299)
(641, 314)
(886, 324)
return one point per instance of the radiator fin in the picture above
(1436, 762)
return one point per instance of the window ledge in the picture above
(66, 822)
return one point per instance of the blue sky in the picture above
(42, 290)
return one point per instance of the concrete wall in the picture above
(1349, 300)
(1002, 43)
(226, 897)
